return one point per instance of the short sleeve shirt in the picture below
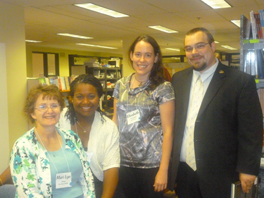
(141, 141)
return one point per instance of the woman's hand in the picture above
(161, 180)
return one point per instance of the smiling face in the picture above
(85, 100)
(203, 58)
(46, 117)
(143, 59)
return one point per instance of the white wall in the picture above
(12, 34)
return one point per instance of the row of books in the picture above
(257, 20)
(254, 62)
(100, 74)
(254, 28)
(63, 82)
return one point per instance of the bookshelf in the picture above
(233, 60)
(252, 62)
(34, 81)
(108, 78)
(251, 51)
(107, 69)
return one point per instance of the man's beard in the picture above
(203, 67)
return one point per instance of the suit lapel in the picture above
(187, 86)
(215, 84)
(185, 92)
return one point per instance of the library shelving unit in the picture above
(107, 69)
(247, 46)
(233, 60)
(108, 78)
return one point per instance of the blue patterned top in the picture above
(30, 166)
(141, 141)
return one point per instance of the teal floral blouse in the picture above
(30, 166)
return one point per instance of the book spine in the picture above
(54, 81)
(253, 23)
(261, 18)
(60, 83)
(42, 81)
(258, 26)
(63, 85)
(47, 81)
(67, 82)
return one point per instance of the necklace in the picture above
(43, 142)
(141, 82)
(82, 127)
(49, 151)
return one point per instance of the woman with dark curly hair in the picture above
(144, 113)
(48, 161)
(99, 134)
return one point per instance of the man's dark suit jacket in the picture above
(228, 129)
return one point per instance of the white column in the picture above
(12, 78)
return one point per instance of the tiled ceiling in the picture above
(45, 18)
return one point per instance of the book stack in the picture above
(253, 44)
(257, 24)
(62, 82)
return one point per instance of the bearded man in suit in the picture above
(218, 129)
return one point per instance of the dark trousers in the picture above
(138, 183)
(187, 182)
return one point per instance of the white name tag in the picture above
(133, 116)
(63, 180)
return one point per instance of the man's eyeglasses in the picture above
(44, 108)
(198, 47)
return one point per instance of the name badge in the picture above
(63, 180)
(133, 116)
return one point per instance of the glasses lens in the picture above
(42, 107)
(45, 107)
(200, 45)
(54, 106)
(188, 49)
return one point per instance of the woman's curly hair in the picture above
(51, 92)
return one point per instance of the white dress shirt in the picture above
(206, 77)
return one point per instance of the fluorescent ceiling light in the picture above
(228, 47)
(33, 41)
(99, 46)
(216, 41)
(173, 49)
(102, 10)
(216, 4)
(74, 35)
(236, 22)
(163, 29)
